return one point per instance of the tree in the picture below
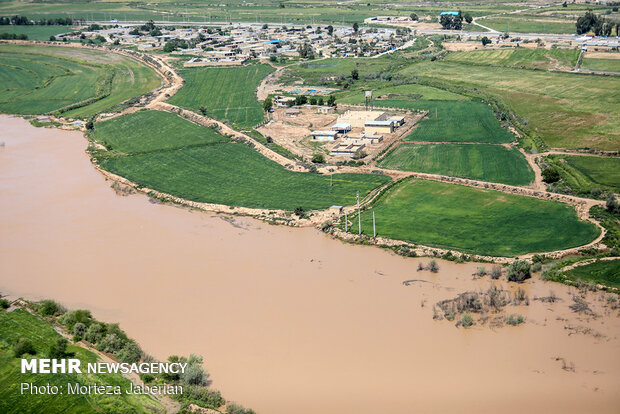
(485, 41)
(300, 212)
(413, 16)
(612, 205)
(330, 30)
(203, 110)
(52, 38)
(518, 271)
(268, 104)
(586, 22)
(131, 353)
(355, 74)
(90, 125)
(50, 308)
(59, 349)
(550, 175)
(356, 27)
(169, 47)
(318, 159)
(564, 4)
(331, 101)
(111, 343)
(265, 26)
(94, 333)
(79, 329)
(155, 32)
(23, 346)
(468, 18)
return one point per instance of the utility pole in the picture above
(374, 229)
(359, 216)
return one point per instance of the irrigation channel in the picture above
(288, 319)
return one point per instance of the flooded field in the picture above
(288, 320)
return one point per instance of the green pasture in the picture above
(206, 167)
(528, 24)
(493, 163)
(41, 79)
(567, 110)
(20, 324)
(518, 57)
(474, 220)
(406, 92)
(133, 133)
(603, 65)
(604, 272)
(455, 121)
(36, 32)
(227, 94)
(583, 174)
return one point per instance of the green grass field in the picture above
(493, 163)
(206, 167)
(407, 92)
(40, 79)
(528, 24)
(21, 324)
(567, 110)
(228, 94)
(455, 121)
(474, 220)
(518, 57)
(133, 133)
(603, 65)
(604, 272)
(583, 174)
(36, 32)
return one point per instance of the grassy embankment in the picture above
(201, 165)
(585, 175)
(474, 220)
(20, 324)
(227, 94)
(600, 64)
(519, 58)
(80, 83)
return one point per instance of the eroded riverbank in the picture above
(288, 320)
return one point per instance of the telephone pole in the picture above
(359, 215)
(374, 229)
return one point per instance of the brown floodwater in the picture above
(288, 320)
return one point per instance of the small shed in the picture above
(379, 127)
(342, 127)
(324, 135)
(326, 110)
(292, 112)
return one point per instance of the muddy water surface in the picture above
(288, 320)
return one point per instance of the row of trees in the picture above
(454, 22)
(25, 21)
(597, 24)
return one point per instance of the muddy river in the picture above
(288, 320)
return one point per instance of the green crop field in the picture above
(582, 174)
(132, 133)
(528, 24)
(228, 94)
(206, 167)
(35, 32)
(39, 79)
(567, 110)
(475, 220)
(603, 65)
(604, 272)
(456, 121)
(518, 57)
(21, 324)
(407, 92)
(493, 163)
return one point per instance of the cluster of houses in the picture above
(354, 130)
(235, 43)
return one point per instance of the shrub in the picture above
(130, 353)
(518, 271)
(496, 272)
(550, 175)
(238, 409)
(111, 343)
(481, 271)
(79, 329)
(514, 320)
(70, 319)
(50, 308)
(300, 212)
(536, 267)
(318, 159)
(467, 320)
(194, 375)
(4, 304)
(433, 266)
(94, 333)
(23, 346)
(59, 349)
